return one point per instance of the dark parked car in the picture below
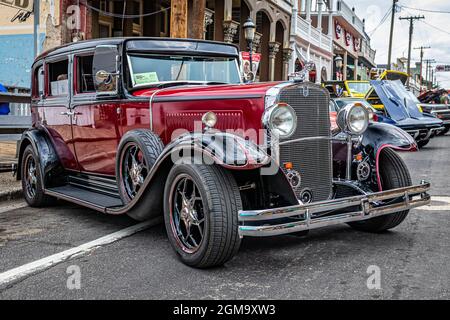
(440, 111)
(400, 108)
(164, 127)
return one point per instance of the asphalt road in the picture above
(331, 263)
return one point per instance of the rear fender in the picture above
(47, 158)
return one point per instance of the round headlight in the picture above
(353, 119)
(281, 120)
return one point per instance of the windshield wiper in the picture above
(172, 84)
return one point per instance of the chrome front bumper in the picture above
(259, 223)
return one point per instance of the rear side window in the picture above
(85, 80)
(58, 78)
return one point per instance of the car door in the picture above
(96, 114)
(54, 111)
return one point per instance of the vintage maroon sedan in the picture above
(150, 127)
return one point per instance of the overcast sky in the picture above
(424, 34)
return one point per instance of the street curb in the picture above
(11, 195)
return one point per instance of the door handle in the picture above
(70, 113)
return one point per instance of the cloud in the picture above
(424, 35)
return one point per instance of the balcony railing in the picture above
(312, 35)
(367, 52)
(348, 14)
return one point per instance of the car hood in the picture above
(250, 90)
(399, 109)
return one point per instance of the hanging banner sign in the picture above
(356, 44)
(26, 5)
(256, 58)
(338, 30)
(348, 38)
(443, 68)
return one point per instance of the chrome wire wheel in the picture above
(134, 169)
(187, 214)
(30, 176)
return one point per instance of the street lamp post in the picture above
(249, 33)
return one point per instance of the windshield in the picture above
(151, 70)
(393, 75)
(358, 87)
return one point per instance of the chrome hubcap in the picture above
(187, 217)
(30, 178)
(134, 170)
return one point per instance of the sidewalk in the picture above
(9, 187)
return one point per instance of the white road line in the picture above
(13, 206)
(437, 207)
(28, 269)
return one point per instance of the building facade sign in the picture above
(26, 5)
(443, 68)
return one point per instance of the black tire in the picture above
(394, 174)
(32, 187)
(221, 202)
(150, 146)
(423, 143)
(445, 131)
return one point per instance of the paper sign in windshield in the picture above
(145, 78)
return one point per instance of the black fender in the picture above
(47, 159)
(379, 136)
(217, 148)
(228, 150)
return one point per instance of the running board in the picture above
(91, 199)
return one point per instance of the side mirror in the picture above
(105, 69)
(103, 77)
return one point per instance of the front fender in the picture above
(380, 136)
(225, 149)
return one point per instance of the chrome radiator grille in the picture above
(311, 158)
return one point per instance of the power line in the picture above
(124, 16)
(425, 10)
(437, 28)
(386, 15)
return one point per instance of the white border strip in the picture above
(28, 269)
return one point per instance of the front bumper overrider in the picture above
(260, 223)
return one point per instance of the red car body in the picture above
(98, 131)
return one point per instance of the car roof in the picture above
(161, 43)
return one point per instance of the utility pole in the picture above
(427, 70)
(421, 48)
(432, 78)
(36, 27)
(394, 7)
(411, 28)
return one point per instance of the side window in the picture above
(58, 78)
(85, 79)
(39, 82)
